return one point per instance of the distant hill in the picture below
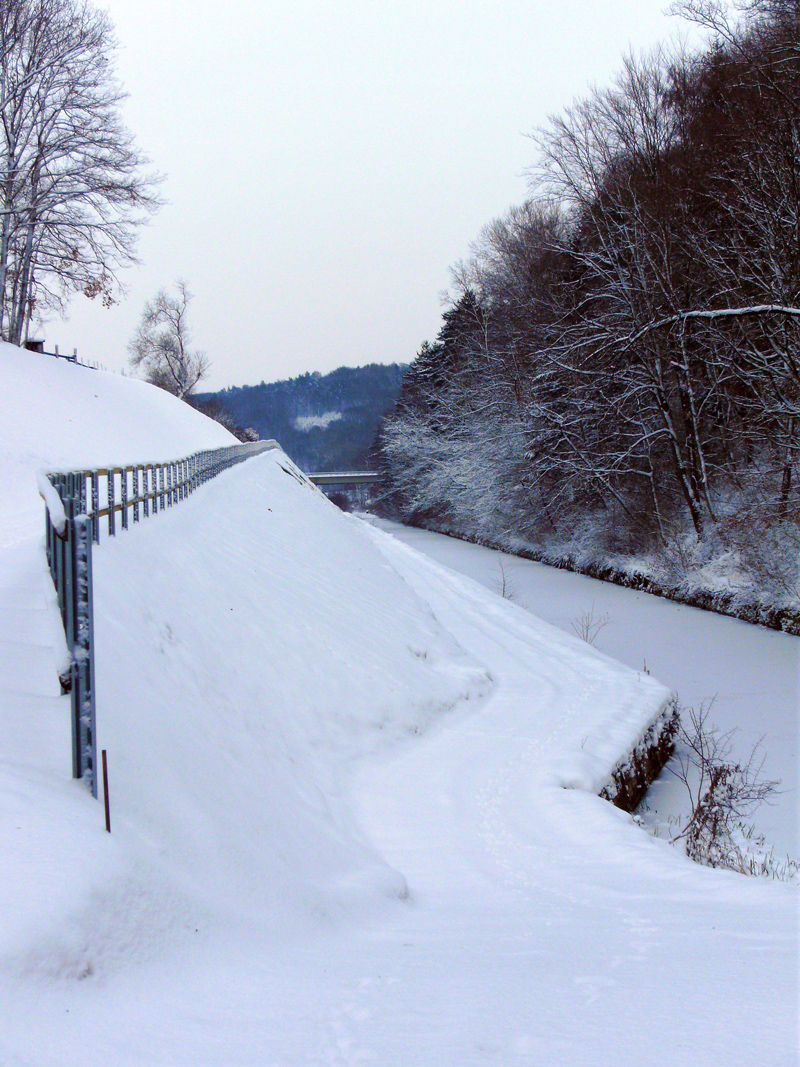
(324, 422)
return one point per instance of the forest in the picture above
(616, 382)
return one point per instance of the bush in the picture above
(723, 795)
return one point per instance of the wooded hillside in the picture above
(324, 422)
(618, 374)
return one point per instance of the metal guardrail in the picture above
(76, 503)
(38, 346)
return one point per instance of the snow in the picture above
(352, 796)
(59, 416)
(752, 674)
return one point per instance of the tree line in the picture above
(325, 422)
(622, 352)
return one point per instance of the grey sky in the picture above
(328, 160)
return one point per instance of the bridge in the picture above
(347, 489)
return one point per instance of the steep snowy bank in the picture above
(269, 647)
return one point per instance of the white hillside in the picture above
(60, 416)
(341, 832)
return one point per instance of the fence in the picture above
(38, 346)
(76, 503)
(63, 355)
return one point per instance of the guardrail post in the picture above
(95, 478)
(112, 508)
(70, 557)
(83, 689)
(123, 496)
(60, 554)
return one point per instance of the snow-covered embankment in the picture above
(325, 751)
(252, 645)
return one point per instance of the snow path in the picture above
(754, 673)
(602, 922)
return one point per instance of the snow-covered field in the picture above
(341, 833)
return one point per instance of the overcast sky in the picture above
(327, 161)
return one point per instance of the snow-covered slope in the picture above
(61, 416)
(337, 782)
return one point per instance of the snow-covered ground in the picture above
(341, 833)
(751, 674)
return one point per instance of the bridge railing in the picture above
(345, 478)
(76, 504)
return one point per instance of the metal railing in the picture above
(76, 503)
(38, 346)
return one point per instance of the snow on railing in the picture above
(76, 502)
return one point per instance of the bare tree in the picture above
(72, 187)
(160, 346)
(618, 159)
(722, 794)
(628, 368)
